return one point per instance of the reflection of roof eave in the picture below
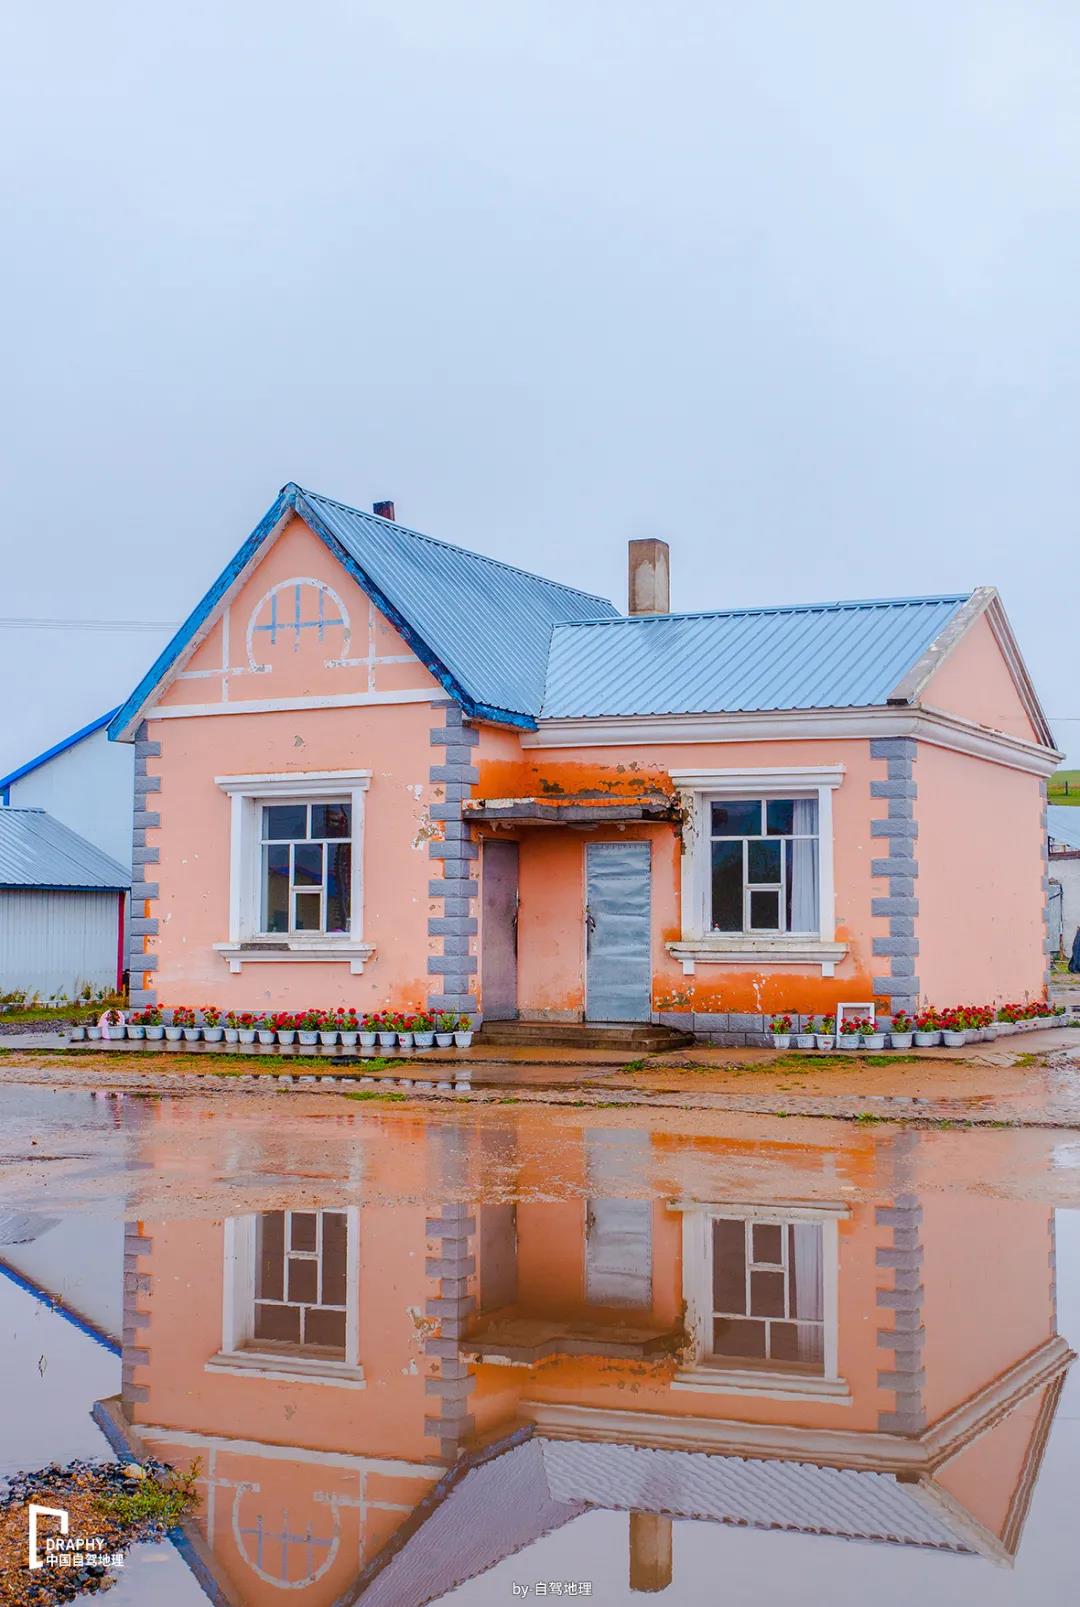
(569, 811)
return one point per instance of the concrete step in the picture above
(644, 1036)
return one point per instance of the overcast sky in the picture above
(791, 284)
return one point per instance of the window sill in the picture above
(736, 948)
(297, 1369)
(321, 951)
(718, 1380)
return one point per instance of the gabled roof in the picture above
(36, 851)
(480, 626)
(741, 660)
(57, 748)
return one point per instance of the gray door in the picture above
(618, 968)
(498, 976)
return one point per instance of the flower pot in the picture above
(286, 1035)
(328, 1037)
(367, 1039)
(213, 1034)
(781, 1040)
(873, 1040)
(78, 1034)
(901, 1040)
(94, 1032)
(825, 1040)
(404, 1040)
(805, 1040)
(387, 1039)
(954, 1040)
(851, 1040)
(307, 1037)
(232, 1035)
(174, 1034)
(155, 1034)
(927, 1040)
(192, 1034)
(246, 1034)
(423, 1040)
(265, 1034)
(136, 1032)
(987, 1034)
(444, 1039)
(348, 1039)
(463, 1040)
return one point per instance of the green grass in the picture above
(86, 1013)
(151, 1501)
(1055, 787)
(384, 1094)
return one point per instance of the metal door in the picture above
(618, 969)
(498, 978)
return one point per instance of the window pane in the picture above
(743, 1338)
(331, 820)
(779, 815)
(307, 912)
(768, 1242)
(307, 864)
(811, 1342)
(729, 1266)
(801, 885)
(763, 862)
(303, 1282)
(302, 1230)
(767, 1294)
(727, 887)
(269, 1243)
(736, 818)
(335, 1240)
(283, 821)
(281, 1323)
(764, 912)
(275, 910)
(783, 1341)
(325, 1328)
(338, 885)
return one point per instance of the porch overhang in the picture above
(570, 809)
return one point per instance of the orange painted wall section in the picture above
(975, 683)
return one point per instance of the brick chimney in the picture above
(385, 510)
(649, 589)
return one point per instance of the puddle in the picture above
(488, 1355)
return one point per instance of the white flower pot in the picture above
(873, 1040)
(805, 1040)
(174, 1034)
(901, 1040)
(851, 1040)
(192, 1034)
(155, 1034)
(404, 1040)
(781, 1040)
(286, 1034)
(423, 1040)
(232, 1035)
(213, 1034)
(307, 1037)
(136, 1032)
(246, 1034)
(954, 1040)
(94, 1032)
(328, 1037)
(265, 1034)
(348, 1039)
(368, 1040)
(463, 1040)
(444, 1039)
(78, 1034)
(927, 1040)
(387, 1039)
(825, 1040)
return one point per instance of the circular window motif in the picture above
(293, 615)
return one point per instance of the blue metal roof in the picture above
(36, 851)
(57, 747)
(1063, 824)
(480, 626)
(814, 656)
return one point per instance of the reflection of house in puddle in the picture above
(387, 1401)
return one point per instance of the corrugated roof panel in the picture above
(37, 851)
(488, 623)
(818, 656)
(1063, 824)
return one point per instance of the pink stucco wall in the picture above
(975, 683)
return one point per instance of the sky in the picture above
(792, 285)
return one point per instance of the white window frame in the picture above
(699, 944)
(240, 1354)
(719, 1376)
(247, 794)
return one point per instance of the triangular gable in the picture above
(975, 669)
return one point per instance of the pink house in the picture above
(378, 770)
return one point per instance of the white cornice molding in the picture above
(768, 778)
(296, 783)
(793, 725)
(336, 700)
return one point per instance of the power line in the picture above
(88, 624)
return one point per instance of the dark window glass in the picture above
(302, 1230)
(269, 1243)
(768, 1242)
(279, 1323)
(739, 1338)
(307, 912)
(303, 1282)
(763, 862)
(307, 864)
(338, 885)
(331, 820)
(767, 1294)
(284, 821)
(334, 1237)
(729, 1266)
(764, 912)
(784, 1341)
(276, 889)
(779, 816)
(727, 887)
(326, 1328)
(736, 818)
(811, 1342)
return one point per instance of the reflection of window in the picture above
(306, 867)
(764, 864)
(768, 1292)
(300, 1280)
(618, 1252)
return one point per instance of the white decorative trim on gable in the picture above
(699, 944)
(246, 945)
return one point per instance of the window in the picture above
(767, 1293)
(764, 865)
(306, 867)
(300, 1281)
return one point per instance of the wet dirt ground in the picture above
(640, 1335)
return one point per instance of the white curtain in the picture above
(804, 867)
(809, 1289)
